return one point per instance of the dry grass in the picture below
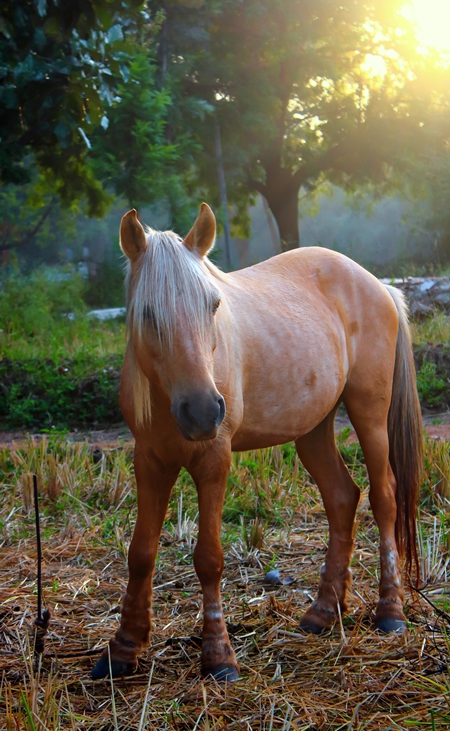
(351, 678)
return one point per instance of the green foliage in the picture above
(36, 229)
(33, 224)
(43, 316)
(432, 330)
(42, 395)
(59, 66)
(55, 371)
(106, 95)
(432, 175)
(433, 389)
(106, 289)
(138, 155)
(32, 304)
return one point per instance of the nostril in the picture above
(185, 412)
(222, 409)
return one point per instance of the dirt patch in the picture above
(436, 425)
(104, 438)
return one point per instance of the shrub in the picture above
(433, 367)
(33, 303)
(39, 394)
(106, 289)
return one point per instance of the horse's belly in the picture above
(277, 421)
(293, 370)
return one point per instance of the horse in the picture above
(219, 362)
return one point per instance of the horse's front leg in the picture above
(154, 484)
(210, 474)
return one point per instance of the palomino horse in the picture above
(220, 362)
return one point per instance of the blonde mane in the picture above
(167, 280)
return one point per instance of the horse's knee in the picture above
(208, 562)
(141, 561)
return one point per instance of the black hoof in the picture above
(388, 625)
(307, 625)
(222, 673)
(118, 669)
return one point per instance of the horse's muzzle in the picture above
(199, 416)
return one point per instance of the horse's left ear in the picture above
(201, 237)
(132, 235)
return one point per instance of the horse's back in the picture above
(308, 271)
(318, 290)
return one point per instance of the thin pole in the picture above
(43, 617)
(39, 550)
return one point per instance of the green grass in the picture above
(62, 375)
(66, 339)
(43, 316)
(59, 369)
(433, 330)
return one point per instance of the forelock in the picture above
(168, 280)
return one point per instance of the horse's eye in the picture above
(216, 306)
(149, 316)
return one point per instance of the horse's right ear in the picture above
(132, 235)
(202, 235)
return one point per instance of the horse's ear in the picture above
(132, 236)
(201, 237)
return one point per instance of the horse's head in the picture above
(172, 304)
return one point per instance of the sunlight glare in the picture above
(374, 65)
(432, 19)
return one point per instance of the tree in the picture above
(302, 90)
(59, 67)
(429, 179)
(135, 156)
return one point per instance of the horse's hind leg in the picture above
(369, 417)
(154, 484)
(319, 454)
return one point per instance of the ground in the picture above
(351, 678)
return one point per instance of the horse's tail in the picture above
(405, 438)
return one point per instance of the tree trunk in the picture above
(231, 259)
(28, 236)
(281, 192)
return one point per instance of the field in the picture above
(350, 678)
(57, 374)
